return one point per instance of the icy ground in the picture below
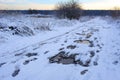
(89, 49)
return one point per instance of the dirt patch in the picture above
(80, 34)
(88, 42)
(63, 58)
(82, 41)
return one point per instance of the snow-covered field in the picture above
(35, 48)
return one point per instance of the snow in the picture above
(103, 41)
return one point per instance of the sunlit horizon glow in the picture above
(50, 4)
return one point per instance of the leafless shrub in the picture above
(43, 27)
(22, 31)
(70, 10)
(32, 11)
(115, 13)
(16, 30)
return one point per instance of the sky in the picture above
(50, 4)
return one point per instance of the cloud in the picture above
(41, 6)
(11, 1)
(27, 6)
(4, 1)
(103, 4)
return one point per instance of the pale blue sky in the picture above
(56, 1)
(49, 4)
(42, 1)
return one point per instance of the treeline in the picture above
(71, 9)
(53, 12)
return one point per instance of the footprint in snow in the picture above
(83, 72)
(18, 54)
(71, 47)
(65, 41)
(15, 73)
(35, 48)
(97, 51)
(115, 62)
(46, 52)
(1, 64)
(62, 44)
(61, 49)
(92, 53)
(95, 63)
(28, 61)
(31, 54)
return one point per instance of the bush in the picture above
(22, 31)
(116, 12)
(70, 10)
(43, 27)
(32, 11)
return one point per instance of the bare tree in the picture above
(70, 10)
